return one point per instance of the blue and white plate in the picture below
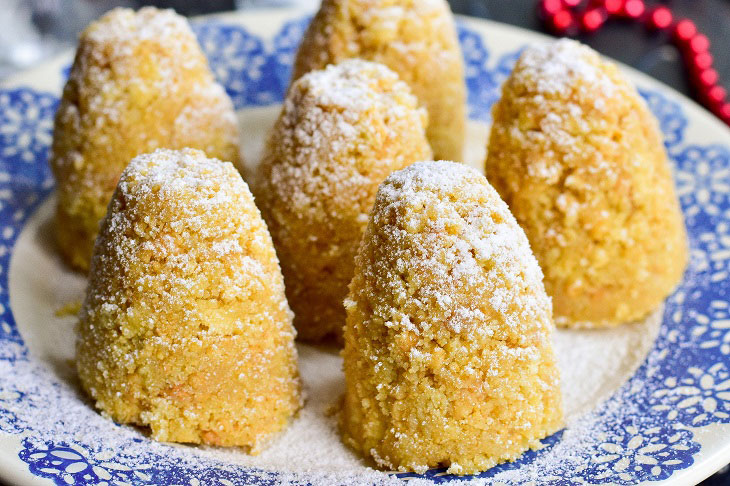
(647, 403)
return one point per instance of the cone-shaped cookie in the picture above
(185, 327)
(139, 82)
(416, 39)
(448, 352)
(579, 159)
(341, 132)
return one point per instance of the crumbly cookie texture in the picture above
(185, 327)
(579, 159)
(448, 355)
(415, 38)
(341, 132)
(139, 82)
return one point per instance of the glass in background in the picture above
(34, 30)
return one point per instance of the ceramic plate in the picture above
(647, 403)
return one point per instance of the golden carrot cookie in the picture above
(139, 82)
(448, 355)
(579, 159)
(341, 132)
(185, 327)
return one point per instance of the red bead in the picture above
(707, 78)
(562, 21)
(702, 61)
(660, 18)
(716, 94)
(723, 111)
(572, 3)
(551, 7)
(613, 7)
(699, 43)
(634, 8)
(593, 19)
(684, 30)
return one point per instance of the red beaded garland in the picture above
(699, 43)
(613, 7)
(562, 21)
(707, 78)
(551, 7)
(660, 18)
(716, 94)
(593, 19)
(684, 30)
(568, 17)
(702, 61)
(634, 9)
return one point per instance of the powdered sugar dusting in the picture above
(120, 38)
(122, 31)
(490, 241)
(149, 55)
(187, 191)
(351, 86)
(171, 177)
(556, 68)
(329, 104)
(327, 116)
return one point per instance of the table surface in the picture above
(627, 42)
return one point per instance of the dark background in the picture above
(625, 41)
